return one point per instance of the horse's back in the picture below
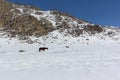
(43, 49)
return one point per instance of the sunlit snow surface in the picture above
(87, 58)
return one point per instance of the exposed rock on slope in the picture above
(23, 20)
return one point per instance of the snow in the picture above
(45, 14)
(20, 9)
(87, 58)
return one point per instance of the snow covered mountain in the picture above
(77, 49)
(24, 21)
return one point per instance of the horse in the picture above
(43, 49)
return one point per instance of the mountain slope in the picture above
(77, 49)
(23, 20)
(73, 58)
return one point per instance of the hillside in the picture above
(67, 58)
(23, 21)
(77, 49)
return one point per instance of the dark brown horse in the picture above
(43, 49)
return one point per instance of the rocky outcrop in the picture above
(23, 21)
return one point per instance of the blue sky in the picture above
(104, 12)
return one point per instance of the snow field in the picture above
(92, 59)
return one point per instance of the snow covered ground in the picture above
(68, 58)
